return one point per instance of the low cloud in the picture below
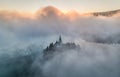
(99, 38)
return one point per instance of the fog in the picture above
(23, 38)
(95, 61)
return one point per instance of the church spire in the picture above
(60, 39)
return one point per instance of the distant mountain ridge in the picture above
(107, 13)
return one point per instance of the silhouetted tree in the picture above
(51, 46)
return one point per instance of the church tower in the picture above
(60, 39)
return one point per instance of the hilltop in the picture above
(59, 47)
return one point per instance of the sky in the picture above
(83, 6)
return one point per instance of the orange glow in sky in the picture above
(83, 6)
